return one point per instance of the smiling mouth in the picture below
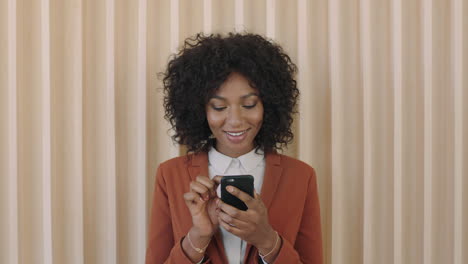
(237, 134)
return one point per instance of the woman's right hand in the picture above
(201, 201)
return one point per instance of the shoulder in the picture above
(295, 171)
(176, 162)
(177, 165)
(182, 163)
(295, 164)
(173, 172)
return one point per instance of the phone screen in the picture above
(244, 183)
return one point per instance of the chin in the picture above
(243, 150)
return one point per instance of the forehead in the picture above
(236, 85)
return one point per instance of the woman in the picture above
(231, 100)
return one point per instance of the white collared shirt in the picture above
(251, 163)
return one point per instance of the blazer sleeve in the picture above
(161, 245)
(308, 245)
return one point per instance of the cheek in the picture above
(257, 118)
(215, 120)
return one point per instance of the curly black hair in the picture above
(204, 62)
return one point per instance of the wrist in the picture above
(268, 244)
(198, 241)
(271, 255)
(199, 235)
(194, 245)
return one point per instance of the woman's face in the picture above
(235, 115)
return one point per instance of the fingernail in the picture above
(230, 189)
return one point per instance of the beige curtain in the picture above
(383, 118)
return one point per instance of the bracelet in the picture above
(273, 249)
(199, 250)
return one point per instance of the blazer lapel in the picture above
(199, 166)
(273, 171)
(271, 179)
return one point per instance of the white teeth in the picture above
(236, 134)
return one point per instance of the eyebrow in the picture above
(242, 97)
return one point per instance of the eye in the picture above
(250, 106)
(219, 109)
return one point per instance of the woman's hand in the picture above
(251, 225)
(201, 201)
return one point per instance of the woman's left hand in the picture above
(251, 225)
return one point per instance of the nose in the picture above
(234, 118)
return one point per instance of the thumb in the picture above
(217, 179)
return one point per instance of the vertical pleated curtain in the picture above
(383, 117)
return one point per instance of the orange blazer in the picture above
(289, 192)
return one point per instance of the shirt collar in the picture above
(221, 162)
(251, 160)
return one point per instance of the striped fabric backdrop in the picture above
(383, 119)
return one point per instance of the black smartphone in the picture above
(244, 183)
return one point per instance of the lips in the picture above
(236, 136)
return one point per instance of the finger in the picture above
(231, 229)
(210, 184)
(200, 189)
(230, 210)
(256, 195)
(192, 198)
(242, 225)
(205, 181)
(217, 181)
(246, 198)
